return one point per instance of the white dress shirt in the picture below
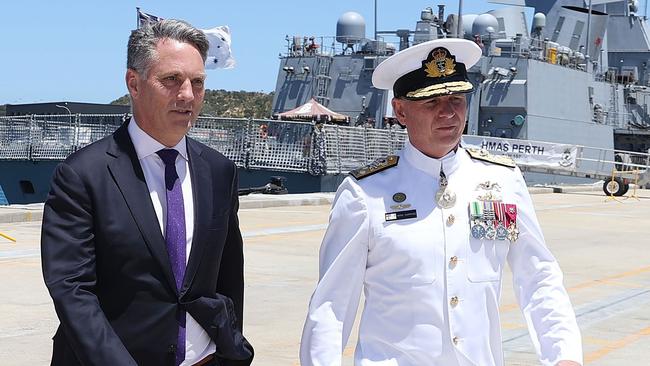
(198, 344)
(431, 289)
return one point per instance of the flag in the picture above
(219, 53)
(144, 18)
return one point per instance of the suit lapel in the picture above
(202, 194)
(127, 172)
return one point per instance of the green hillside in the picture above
(234, 104)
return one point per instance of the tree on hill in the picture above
(232, 104)
(3, 109)
(123, 100)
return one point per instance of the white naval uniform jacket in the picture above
(408, 279)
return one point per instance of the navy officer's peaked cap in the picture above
(429, 69)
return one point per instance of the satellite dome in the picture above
(468, 21)
(539, 21)
(350, 28)
(482, 22)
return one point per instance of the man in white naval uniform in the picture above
(426, 234)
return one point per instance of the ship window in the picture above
(369, 63)
(26, 187)
(558, 29)
(577, 33)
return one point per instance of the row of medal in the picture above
(493, 220)
(490, 218)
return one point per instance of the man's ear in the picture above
(132, 82)
(398, 110)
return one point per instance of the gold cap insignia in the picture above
(441, 63)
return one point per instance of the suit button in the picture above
(454, 301)
(450, 220)
(455, 340)
(453, 261)
(171, 348)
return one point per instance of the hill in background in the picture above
(233, 104)
(3, 110)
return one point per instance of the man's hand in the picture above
(567, 363)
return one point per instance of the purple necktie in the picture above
(175, 239)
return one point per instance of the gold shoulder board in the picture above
(375, 167)
(484, 155)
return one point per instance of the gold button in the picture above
(453, 261)
(450, 220)
(455, 340)
(454, 301)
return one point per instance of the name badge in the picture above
(401, 215)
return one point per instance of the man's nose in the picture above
(446, 110)
(185, 92)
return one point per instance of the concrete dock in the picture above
(602, 244)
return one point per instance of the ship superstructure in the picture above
(574, 75)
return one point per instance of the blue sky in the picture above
(76, 50)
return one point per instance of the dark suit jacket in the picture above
(107, 269)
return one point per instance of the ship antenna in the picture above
(459, 30)
(376, 20)
(588, 34)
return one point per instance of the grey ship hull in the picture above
(25, 182)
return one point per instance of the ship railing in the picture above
(619, 120)
(567, 159)
(536, 49)
(226, 135)
(304, 147)
(257, 143)
(348, 148)
(306, 46)
(600, 163)
(279, 145)
(604, 165)
(51, 137)
(14, 138)
(295, 146)
(251, 143)
(93, 127)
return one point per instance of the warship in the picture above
(578, 75)
(566, 96)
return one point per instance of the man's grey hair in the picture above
(141, 50)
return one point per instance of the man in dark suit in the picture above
(141, 247)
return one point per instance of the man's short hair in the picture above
(141, 51)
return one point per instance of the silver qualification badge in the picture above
(445, 197)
